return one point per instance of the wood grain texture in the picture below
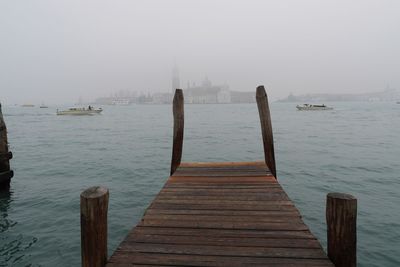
(341, 220)
(5, 172)
(266, 128)
(178, 113)
(221, 220)
(94, 208)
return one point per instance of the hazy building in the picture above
(207, 93)
(122, 97)
(162, 98)
(113, 100)
(388, 94)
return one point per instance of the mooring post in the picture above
(266, 128)
(5, 173)
(94, 207)
(341, 220)
(177, 146)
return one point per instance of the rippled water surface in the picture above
(354, 148)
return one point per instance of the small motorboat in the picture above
(313, 107)
(80, 111)
(43, 106)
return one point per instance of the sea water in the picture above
(354, 148)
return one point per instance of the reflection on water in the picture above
(13, 246)
(5, 200)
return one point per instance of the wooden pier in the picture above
(221, 214)
(5, 172)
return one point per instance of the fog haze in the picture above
(57, 51)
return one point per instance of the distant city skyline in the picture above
(60, 51)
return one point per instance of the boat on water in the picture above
(43, 106)
(80, 111)
(313, 107)
(27, 105)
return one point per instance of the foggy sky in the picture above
(59, 50)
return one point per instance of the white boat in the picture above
(80, 111)
(43, 106)
(313, 107)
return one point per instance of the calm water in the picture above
(353, 149)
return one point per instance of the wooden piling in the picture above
(5, 173)
(266, 128)
(178, 130)
(94, 207)
(341, 220)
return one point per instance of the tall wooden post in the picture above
(266, 128)
(177, 146)
(341, 220)
(5, 173)
(94, 207)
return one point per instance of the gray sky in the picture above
(58, 50)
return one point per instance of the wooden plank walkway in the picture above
(221, 214)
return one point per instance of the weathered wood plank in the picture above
(258, 207)
(300, 253)
(341, 220)
(294, 213)
(221, 216)
(221, 186)
(94, 208)
(207, 260)
(226, 195)
(177, 146)
(223, 241)
(295, 226)
(230, 197)
(238, 233)
(219, 174)
(226, 168)
(222, 179)
(255, 168)
(222, 164)
(5, 172)
(224, 201)
(266, 128)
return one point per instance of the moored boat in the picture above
(313, 107)
(80, 111)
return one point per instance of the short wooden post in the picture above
(5, 173)
(94, 207)
(266, 128)
(341, 220)
(177, 145)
